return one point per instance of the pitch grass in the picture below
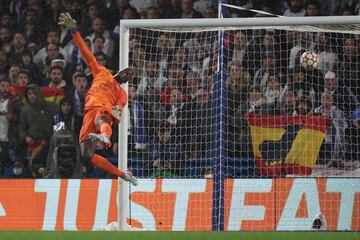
(42, 235)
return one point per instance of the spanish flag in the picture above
(286, 144)
(50, 94)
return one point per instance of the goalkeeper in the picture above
(103, 105)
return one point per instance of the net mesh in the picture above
(270, 117)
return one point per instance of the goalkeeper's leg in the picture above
(102, 163)
(103, 125)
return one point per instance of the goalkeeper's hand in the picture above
(66, 20)
(116, 112)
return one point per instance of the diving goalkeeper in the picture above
(104, 104)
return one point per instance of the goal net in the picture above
(228, 130)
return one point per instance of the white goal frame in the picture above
(125, 25)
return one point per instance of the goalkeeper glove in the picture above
(116, 112)
(66, 20)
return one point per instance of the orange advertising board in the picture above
(181, 204)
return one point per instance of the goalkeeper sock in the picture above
(103, 164)
(105, 129)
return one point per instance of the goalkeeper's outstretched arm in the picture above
(66, 20)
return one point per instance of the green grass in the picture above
(40, 235)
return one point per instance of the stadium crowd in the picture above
(44, 81)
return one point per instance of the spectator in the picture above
(27, 64)
(137, 61)
(148, 108)
(33, 47)
(77, 94)
(312, 8)
(238, 82)
(131, 13)
(142, 6)
(201, 64)
(5, 38)
(76, 61)
(198, 127)
(4, 124)
(20, 170)
(56, 78)
(52, 38)
(56, 7)
(301, 83)
(17, 46)
(93, 12)
(164, 153)
(349, 73)
(303, 43)
(192, 86)
(152, 13)
(343, 98)
(8, 21)
(4, 63)
(98, 43)
(112, 9)
(176, 111)
(262, 45)
(13, 73)
(288, 102)
(132, 127)
(164, 6)
(151, 83)
(235, 54)
(66, 114)
(67, 71)
(13, 109)
(238, 136)
(175, 80)
(23, 78)
(273, 90)
(52, 52)
(327, 58)
(304, 107)
(64, 37)
(186, 11)
(105, 61)
(98, 29)
(30, 26)
(36, 127)
(197, 41)
(335, 144)
(164, 49)
(296, 9)
(99, 53)
(40, 8)
(181, 59)
(255, 99)
(354, 135)
(210, 12)
(268, 65)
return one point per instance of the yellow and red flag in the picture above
(50, 94)
(286, 144)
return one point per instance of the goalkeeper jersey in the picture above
(104, 92)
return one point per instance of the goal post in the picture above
(217, 159)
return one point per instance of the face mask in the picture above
(17, 171)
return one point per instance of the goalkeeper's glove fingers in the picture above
(66, 20)
(116, 112)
